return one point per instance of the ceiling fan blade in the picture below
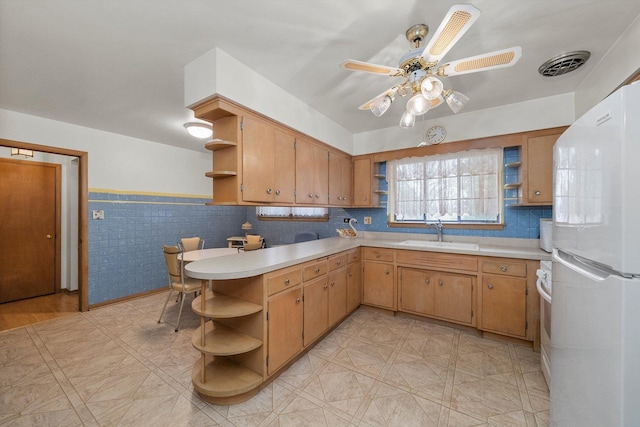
(455, 23)
(487, 61)
(367, 105)
(367, 67)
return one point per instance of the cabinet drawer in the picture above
(437, 261)
(353, 256)
(314, 269)
(337, 261)
(283, 279)
(505, 266)
(378, 254)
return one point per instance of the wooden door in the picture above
(258, 141)
(347, 181)
(284, 167)
(339, 180)
(453, 297)
(320, 176)
(337, 295)
(304, 171)
(362, 177)
(285, 327)
(29, 229)
(354, 286)
(416, 290)
(379, 285)
(315, 309)
(539, 180)
(504, 305)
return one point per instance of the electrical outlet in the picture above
(346, 220)
(98, 214)
(367, 220)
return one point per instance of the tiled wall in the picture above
(125, 249)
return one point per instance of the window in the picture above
(459, 187)
(283, 213)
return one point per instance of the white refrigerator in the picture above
(595, 327)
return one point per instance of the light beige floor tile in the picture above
(485, 398)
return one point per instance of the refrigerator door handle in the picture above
(579, 265)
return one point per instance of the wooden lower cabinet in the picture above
(284, 327)
(379, 288)
(337, 296)
(447, 296)
(316, 305)
(354, 286)
(453, 297)
(504, 305)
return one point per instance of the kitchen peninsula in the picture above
(268, 307)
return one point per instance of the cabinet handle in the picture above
(311, 195)
(286, 282)
(537, 193)
(490, 286)
(325, 287)
(338, 262)
(268, 191)
(377, 255)
(317, 270)
(350, 274)
(297, 300)
(364, 199)
(277, 192)
(503, 268)
(333, 283)
(426, 281)
(440, 283)
(386, 272)
(317, 196)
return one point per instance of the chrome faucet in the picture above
(438, 226)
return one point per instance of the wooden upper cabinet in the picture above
(312, 173)
(339, 180)
(537, 173)
(362, 182)
(268, 162)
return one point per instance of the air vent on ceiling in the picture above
(564, 63)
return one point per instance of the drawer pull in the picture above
(386, 272)
(537, 193)
(377, 255)
(310, 195)
(338, 262)
(317, 270)
(490, 286)
(268, 191)
(440, 283)
(277, 192)
(503, 268)
(297, 300)
(426, 281)
(286, 282)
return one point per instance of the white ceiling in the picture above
(118, 65)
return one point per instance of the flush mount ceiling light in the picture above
(422, 70)
(21, 152)
(199, 130)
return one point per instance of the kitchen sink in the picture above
(441, 245)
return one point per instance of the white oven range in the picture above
(544, 289)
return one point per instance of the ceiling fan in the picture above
(422, 68)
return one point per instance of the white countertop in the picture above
(253, 263)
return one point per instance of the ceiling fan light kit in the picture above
(421, 67)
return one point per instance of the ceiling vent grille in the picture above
(564, 63)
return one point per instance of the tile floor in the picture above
(116, 366)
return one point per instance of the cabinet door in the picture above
(416, 290)
(315, 309)
(337, 295)
(453, 297)
(354, 286)
(362, 182)
(258, 161)
(339, 180)
(284, 327)
(539, 161)
(379, 285)
(312, 173)
(284, 167)
(504, 302)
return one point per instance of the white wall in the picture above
(619, 63)
(524, 116)
(117, 162)
(216, 72)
